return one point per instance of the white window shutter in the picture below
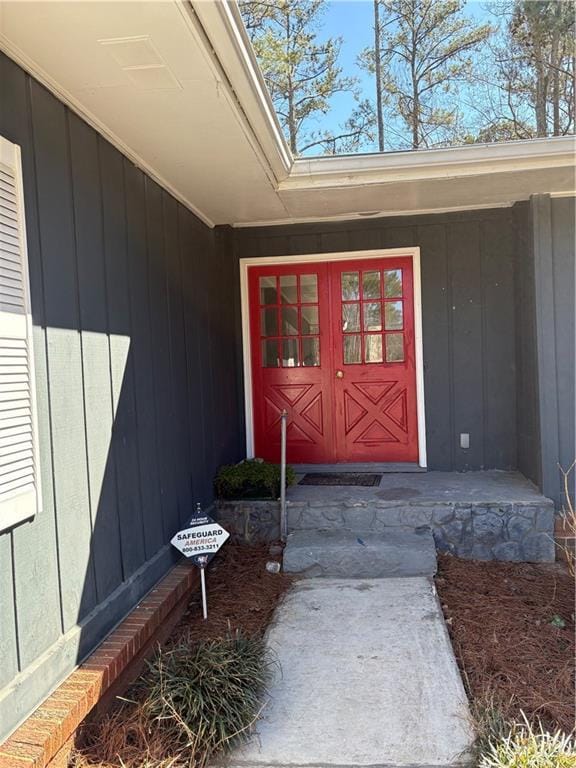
(19, 468)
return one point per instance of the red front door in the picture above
(333, 344)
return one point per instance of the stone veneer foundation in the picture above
(519, 531)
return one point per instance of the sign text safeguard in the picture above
(202, 539)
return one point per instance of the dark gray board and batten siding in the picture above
(553, 229)
(469, 319)
(135, 346)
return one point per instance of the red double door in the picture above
(333, 344)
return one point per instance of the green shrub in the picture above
(528, 747)
(251, 479)
(204, 698)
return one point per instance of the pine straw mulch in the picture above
(242, 596)
(499, 617)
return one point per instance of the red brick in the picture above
(94, 675)
(106, 658)
(10, 761)
(62, 758)
(128, 640)
(39, 734)
(46, 737)
(123, 634)
(22, 755)
(135, 624)
(61, 721)
(78, 704)
(112, 646)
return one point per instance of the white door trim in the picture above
(413, 252)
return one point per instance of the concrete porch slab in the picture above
(489, 515)
(388, 467)
(488, 487)
(367, 677)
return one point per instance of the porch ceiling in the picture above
(174, 85)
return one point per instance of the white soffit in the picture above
(417, 196)
(175, 85)
(142, 73)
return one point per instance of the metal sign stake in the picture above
(204, 602)
(200, 542)
(283, 521)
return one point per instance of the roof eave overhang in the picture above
(429, 164)
(233, 55)
(225, 31)
(218, 30)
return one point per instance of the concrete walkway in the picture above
(366, 678)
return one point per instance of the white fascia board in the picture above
(235, 58)
(340, 217)
(411, 165)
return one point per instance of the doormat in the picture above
(342, 478)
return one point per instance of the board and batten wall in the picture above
(469, 319)
(134, 344)
(553, 254)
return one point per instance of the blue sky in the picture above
(353, 21)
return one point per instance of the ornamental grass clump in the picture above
(203, 699)
(526, 746)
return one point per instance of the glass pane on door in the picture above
(289, 289)
(268, 294)
(289, 320)
(350, 286)
(350, 318)
(309, 289)
(393, 315)
(352, 349)
(373, 348)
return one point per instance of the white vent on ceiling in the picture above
(141, 62)
(133, 52)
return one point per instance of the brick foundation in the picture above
(47, 736)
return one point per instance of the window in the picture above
(372, 310)
(19, 468)
(289, 321)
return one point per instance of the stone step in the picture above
(513, 531)
(347, 554)
(364, 515)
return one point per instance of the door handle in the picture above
(339, 374)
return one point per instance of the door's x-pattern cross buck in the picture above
(376, 412)
(303, 404)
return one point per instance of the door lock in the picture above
(339, 374)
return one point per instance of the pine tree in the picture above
(525, 82)
(541, 36)
(302, 73)
(425, 50)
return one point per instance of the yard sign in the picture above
(199, 543)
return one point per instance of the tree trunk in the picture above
(541, 94)
(378, 73)
(555, 64)
(572, 104)
(415, 99)
(556, 102)
(292, 132)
